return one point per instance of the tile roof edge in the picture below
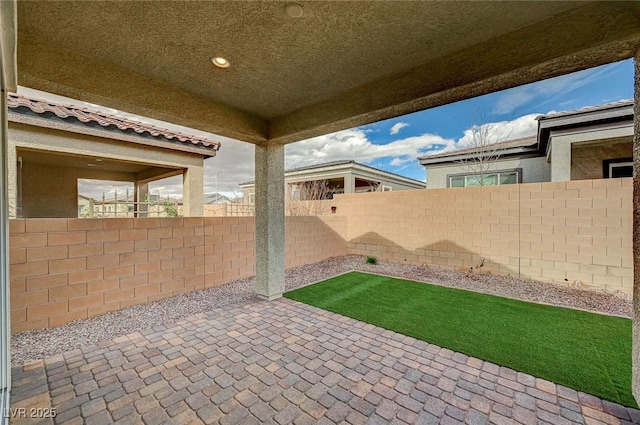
(105, 120)
(587, 109)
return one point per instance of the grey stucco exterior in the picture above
(534, 170)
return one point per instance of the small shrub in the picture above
(371, 260)
(170, 209)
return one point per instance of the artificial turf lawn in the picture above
(584, 351)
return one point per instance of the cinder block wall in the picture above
(578, 231)
(67, 269)
(571, 232)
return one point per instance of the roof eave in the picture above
(62, 125)
(453, 158)
(347, 165)
(547, 124)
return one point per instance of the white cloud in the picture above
(354, 144)
(235, 160)
(510, 102)
(501, 131)
(397, 127)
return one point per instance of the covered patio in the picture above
(283, 362)
(273, 73)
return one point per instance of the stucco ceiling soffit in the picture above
(45, 67)
(278, 64)
(72, 160)
(156, 173)
(341, 65)
(590, 36)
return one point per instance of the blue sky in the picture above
(395, 144)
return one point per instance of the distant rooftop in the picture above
(587, 109)
(589, 115)
(44, 109)
(516, 143)
(339, 164)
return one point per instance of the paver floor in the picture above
(283, 362)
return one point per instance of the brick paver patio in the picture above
(288, 363)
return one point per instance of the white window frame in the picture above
(518, 172)
(613, 165)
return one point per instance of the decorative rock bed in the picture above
(38, 344)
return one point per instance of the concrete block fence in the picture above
(67, 269)
(577, 232)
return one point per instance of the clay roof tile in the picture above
(85, 115)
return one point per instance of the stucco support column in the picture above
(560, 160)
(141, 199)
(193, 192)
(349, 183)
(269, 215)
(636, 233)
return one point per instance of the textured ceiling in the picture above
(341, 64)
(79, 161)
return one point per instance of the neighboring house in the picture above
(588, 143)
(337, 177)
(216, 198)
(52, 145)
(85, 206)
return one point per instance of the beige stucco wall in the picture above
(534, 170)
(586, 159)
(49, 191)
(563, 143)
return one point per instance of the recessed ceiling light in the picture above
(91, 165)
(98, 159)
(220, 62)
(294, 10)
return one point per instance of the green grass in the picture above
(584, 351)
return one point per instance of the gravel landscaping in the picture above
(38, 344)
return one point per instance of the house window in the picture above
(252, 198)
(387, 188)
(617, 168)
(488, 179)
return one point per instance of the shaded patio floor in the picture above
(288, 363)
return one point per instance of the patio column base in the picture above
(269, 213)
(269, 297)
